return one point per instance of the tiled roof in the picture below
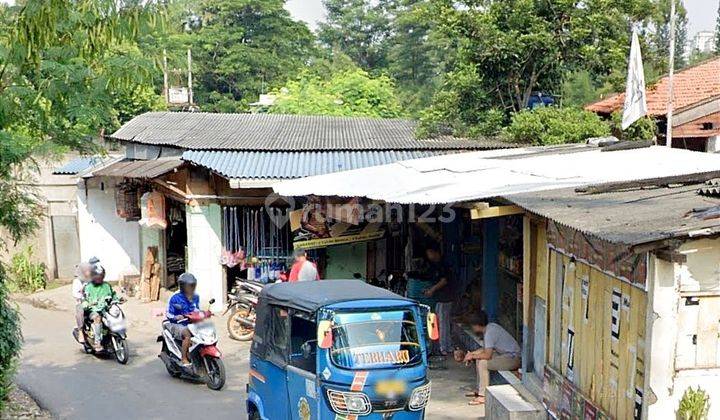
(272, 132)
(691, 86)
(287, 165)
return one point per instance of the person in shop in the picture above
(303, 269)
(500, 352)
(443, 292)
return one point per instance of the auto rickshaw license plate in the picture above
(393, 387)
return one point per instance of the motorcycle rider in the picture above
(96, 301)
(182, 303)
(78, 292)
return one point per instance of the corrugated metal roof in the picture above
(478, 175)
(272, 132)
(627, 217)
(139, 168)
(80, 164)
(286, 165)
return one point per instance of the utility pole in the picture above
(190, 86)
(671, 74)
(166, 89)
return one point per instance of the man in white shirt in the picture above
(500, 352)
(78, 292)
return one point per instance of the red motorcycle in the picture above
(207, 365)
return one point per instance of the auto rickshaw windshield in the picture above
(375, 340)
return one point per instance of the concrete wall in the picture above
(102, 233)
(57, 194)
(684, 348)
(204, 249)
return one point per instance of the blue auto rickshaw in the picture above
(338, 349)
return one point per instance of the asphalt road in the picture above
(73, 385)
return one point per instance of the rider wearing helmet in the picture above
(98, 296)
(182, 303)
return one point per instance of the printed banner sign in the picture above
(323, 222)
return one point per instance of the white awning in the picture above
(479, 175)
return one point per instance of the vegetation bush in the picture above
(642, 129)
(694, 405)
(25, 274)
(10, 339)
(553, 125)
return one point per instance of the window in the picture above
(303, 342)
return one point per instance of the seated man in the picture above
(500, 352)
(98, 296)
(182, 303)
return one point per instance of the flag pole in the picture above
(671, 74)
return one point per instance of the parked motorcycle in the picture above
(207, 365)
(242, 301)
(114, 333)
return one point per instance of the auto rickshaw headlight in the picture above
(349, 402)
(420, 397)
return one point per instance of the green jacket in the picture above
(95, 295)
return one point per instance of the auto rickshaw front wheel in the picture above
(215, 369)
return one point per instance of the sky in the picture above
(701, 13)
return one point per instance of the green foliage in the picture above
(358, 28)
(25, 274)
(10, 339)
(578, 89)
(553, 125)
(642, 129)
(347, 93)
(694, 405)
(57, 74)
(241, 48)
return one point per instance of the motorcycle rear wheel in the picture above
(215, 370)
(236, 329)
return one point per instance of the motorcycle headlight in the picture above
(420, 397)
(355, 403)
(114, 311)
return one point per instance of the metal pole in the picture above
(190, 87)
(671, 74)
(166, 91)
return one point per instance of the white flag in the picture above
(635, 100)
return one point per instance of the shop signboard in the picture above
(324, 222)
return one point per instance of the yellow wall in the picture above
(605, 370)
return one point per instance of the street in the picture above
(71, 384)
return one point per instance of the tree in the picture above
(241, 48)
(509, 49)
(659, 51)
(553, 125)
(347, 93)
(57, 75)
(360, 29)
(416, 53)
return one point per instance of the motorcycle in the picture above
(114, 333)
(242, 301)
(207, 365)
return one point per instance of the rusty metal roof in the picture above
(273, 132)
(139, 168)
(628, 217)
